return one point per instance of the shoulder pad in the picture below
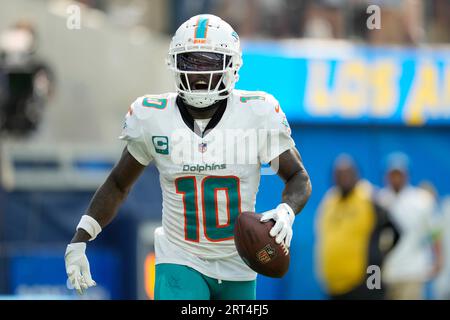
(141, 109)
(145, 106)
(261, 102)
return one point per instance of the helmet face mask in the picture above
(200, 71)
(202, 78)
(205, 70)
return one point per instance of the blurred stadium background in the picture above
(65, 90)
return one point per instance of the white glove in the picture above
(77, 267)
(284, 218)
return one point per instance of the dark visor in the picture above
(200, 61)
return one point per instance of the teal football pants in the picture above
(178, 282)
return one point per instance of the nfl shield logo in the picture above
(266, 254)
(202, 147)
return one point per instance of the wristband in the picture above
(90, 225)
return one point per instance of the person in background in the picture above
(439, 225)
(417, 258)
(26, 81)
(350, 226)
(441, 288)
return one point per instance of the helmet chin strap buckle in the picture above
(198, 102)
(203, 101)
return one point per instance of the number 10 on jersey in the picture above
(207, 194)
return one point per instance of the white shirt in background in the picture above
(412, 211)
(442, 284)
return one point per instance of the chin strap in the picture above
(202, 102)
(199, 103)
(203, 108)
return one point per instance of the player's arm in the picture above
(297, 187)
(297, 190)
(101, 211)
(106, 201)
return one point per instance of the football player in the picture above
(186, 135)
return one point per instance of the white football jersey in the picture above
(207, 177)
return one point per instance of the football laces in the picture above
(285, 248)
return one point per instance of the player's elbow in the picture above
(307, 184)
(300, 184)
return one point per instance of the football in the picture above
(257, 248)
